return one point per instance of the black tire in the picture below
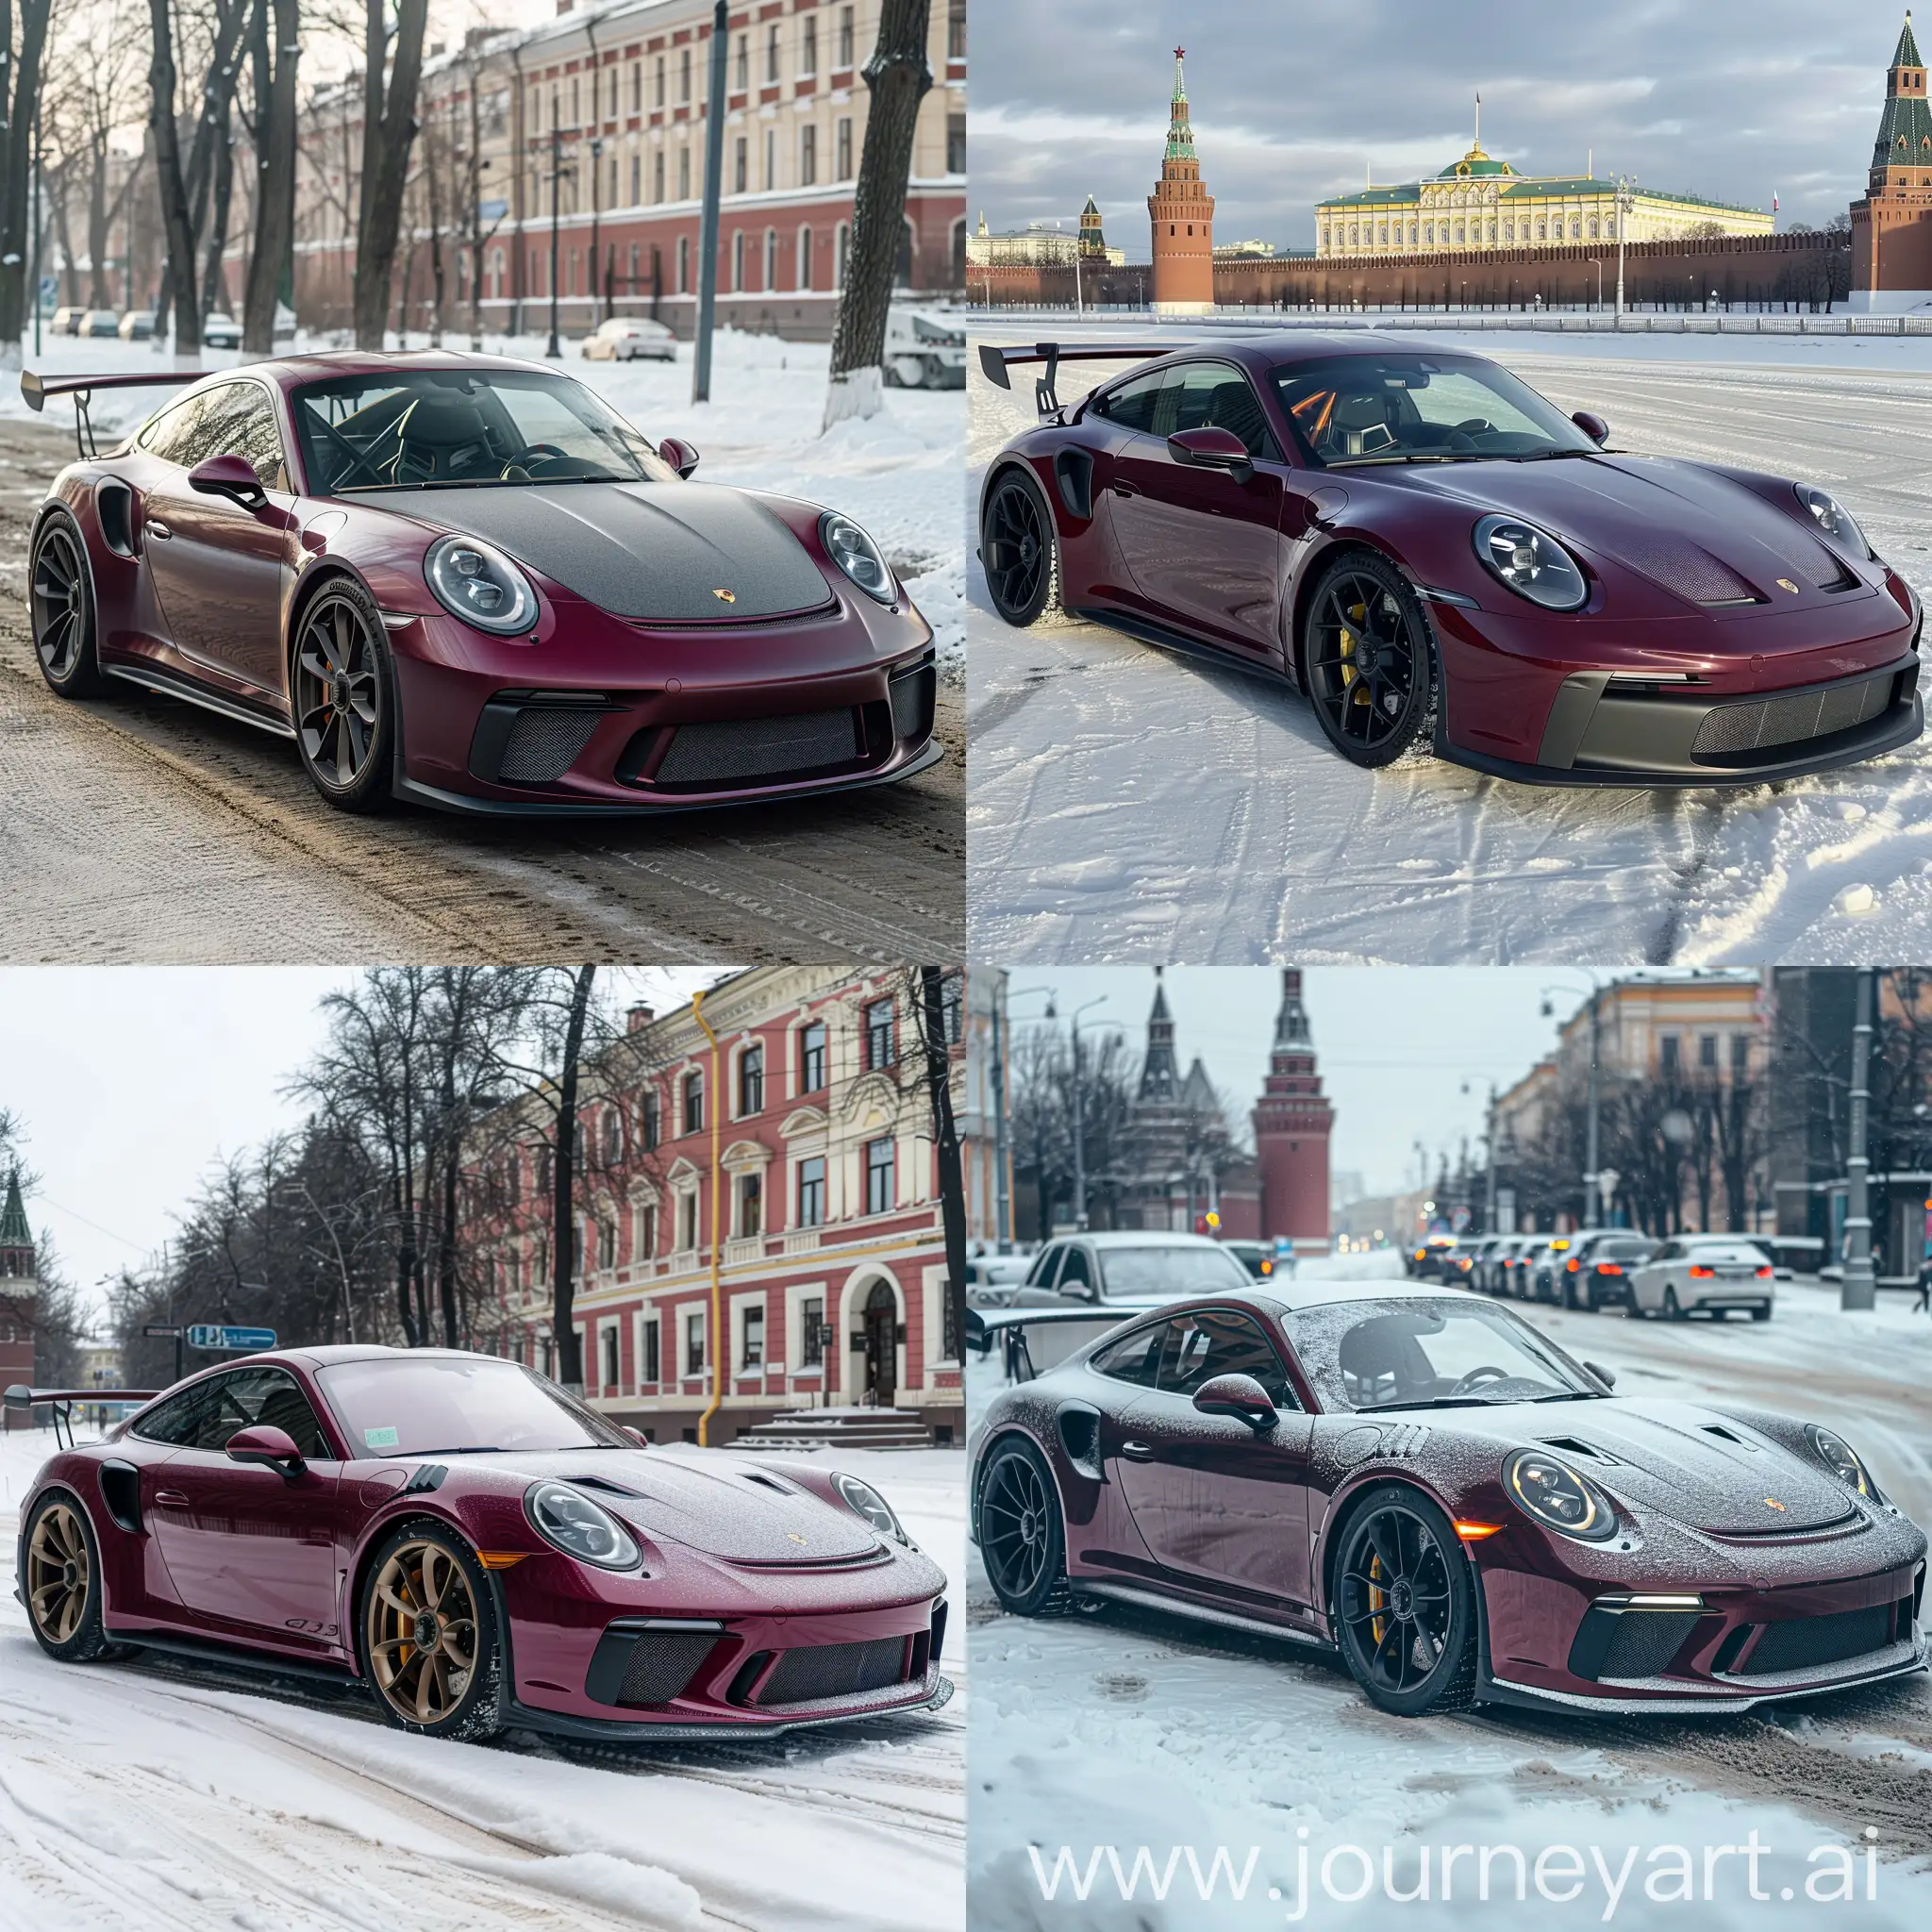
(1413, 1650)
(60, 607)
(1368, 663)
(1673, 1311)
(1019, 547)
(1022, 1540)
(464, 1697)
(1761, 1312)
(64, 1603)
(343, 696)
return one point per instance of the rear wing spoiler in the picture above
(1008, 1330)
(994, 362)
(35, 389)
(63, 1402)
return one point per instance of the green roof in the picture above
(1907, 55)
(14, 1232)
(1529, 186)
(1457, 170)
(1374, 197)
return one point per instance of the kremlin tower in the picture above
(1182, 212)
(1891, 228)
(1292, 1120)
(19, 1295)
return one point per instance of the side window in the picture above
(1132, 405)
(273, 1399)
(1043, 1267)
(1221, 1342)
(1077, 1273)
(181, 1417)
(1668, 1251)
(1213, 395)
(1134, 1357)
(240, 420)
(172, 433)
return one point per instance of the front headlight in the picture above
(866, 1501)
(1558, 1498)
(1842, 1461)
(1834, 519)
(1531, 563)
(857, 556)
(478, 583)
(571, 1522)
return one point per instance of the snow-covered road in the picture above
(1127, 1729)
(1126, 803)
(171, 1799)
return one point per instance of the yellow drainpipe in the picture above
(718, 1338)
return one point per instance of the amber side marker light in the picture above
(1474, 1532)
(501, 1560)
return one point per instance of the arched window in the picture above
(771, 281)
(738, 262)
(684, 264)
(805, 258)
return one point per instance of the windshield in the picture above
(1349, 410)
(1419, 1353)
(447, 1405)
(1205, 1270)
(456, 428)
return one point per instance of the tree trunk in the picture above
(897, 76)
(569, 1357)
(177, 282)
(389, 131)
(214, 275)
(946, 1145)
(16, 166)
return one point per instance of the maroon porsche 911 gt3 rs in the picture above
(1436, 555)
(469, 582)
(479, 1551)
(1421, 1481)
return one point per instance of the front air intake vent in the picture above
(912, 692)
(640, 1666)
(1644, 1641)
(742, 751)
(835, 1670)
(543, 745)
(1575, 1445)
(1730, 733)
(1804, 1643)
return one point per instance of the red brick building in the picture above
(795, 1156)
(1891, 227)
(1182, 214)
(18, 1297)
(1292, 1122)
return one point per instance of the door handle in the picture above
(1138, 1452)
(171, 1499)
(1123, 489)
(156, 529)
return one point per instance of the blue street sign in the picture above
(242, 1340)
(491, 210)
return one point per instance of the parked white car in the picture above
(221, 331)
(627, 338)
(1709, 1275)
(925, 350)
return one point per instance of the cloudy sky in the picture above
(1293, 102)
(1406, 1054)
(129, 1083)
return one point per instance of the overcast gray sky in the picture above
(1292, 102)
(130, 1082)
(1405, 1053)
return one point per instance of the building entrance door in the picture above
(881, 1346)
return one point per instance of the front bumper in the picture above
(1610, 730)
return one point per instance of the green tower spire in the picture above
(1180, 136)
(14, 1232)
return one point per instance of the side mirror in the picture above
(275, 1448)
(1593, 426)
(1081, 1291)
(637, 1436)
(679, 455)
(1240, 1396)
(1213, 449)
(1606, 1377)
(231, 476)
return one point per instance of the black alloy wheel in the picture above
(1371, 670)
(60, 605)
(344, 689)
(1404, 1608)
(1021, 1539)
(1016, 544)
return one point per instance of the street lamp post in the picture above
(1858, 1290)
(1592, 1180)
(555, 348)
(1625, 200)
(707, 226)
(1079, 1112)
(597, 282)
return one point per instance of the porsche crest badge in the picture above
(730, 597)
(1786, 584)
(1773, 1503)
(795, 1536)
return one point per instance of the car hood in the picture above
(659, 553)
(1695, 1465)
(1694, 531)
(728, 1508)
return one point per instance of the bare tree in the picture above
(20, 92)
(897, 76)
(389, 82)
(273, 52)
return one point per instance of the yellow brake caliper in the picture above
(1351, 678)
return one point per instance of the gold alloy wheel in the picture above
(422, 1634)
(57, 1574)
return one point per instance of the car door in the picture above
(1219, 1503)
(221, 572)
(1647, 1283)
(1204, 547)
(1036, 1292)
(249, 1551)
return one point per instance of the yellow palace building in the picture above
(1480, 203)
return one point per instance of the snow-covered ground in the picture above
(899, 473)
(1127, 804)
(168, 1799)
(1126, 1729)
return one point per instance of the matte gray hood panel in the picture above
(654, 551)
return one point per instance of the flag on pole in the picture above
(1773, 201)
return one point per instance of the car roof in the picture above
(321, 365)
(1143, 1237)
(1278, 347)
(1281, 1297)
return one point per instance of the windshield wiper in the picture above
(1442, 1402)
(1571, 1396)
(1407, 456)
(1545, 455)
(461, 1449)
